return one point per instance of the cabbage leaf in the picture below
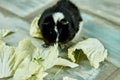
(92, 48)
(6, 60)
(35, 61)
(35, 30)
(4, 33)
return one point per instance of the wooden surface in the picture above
(23, 7)
(101, 20)
(106, 9)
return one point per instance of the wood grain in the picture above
(107, 9)
(101, 20)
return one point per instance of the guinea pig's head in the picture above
(58, 24)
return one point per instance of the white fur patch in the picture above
(58, 16)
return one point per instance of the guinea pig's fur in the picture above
(60, 23)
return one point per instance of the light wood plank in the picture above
(23, 8)
(107, 9)
(83, 72)
(115, 75)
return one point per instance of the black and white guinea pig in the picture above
(60, 23)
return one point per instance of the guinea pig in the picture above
(60, 23)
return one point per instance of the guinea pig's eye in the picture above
(64, 22)
(48, 21)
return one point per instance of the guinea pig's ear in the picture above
(80, 18)
(77, 37)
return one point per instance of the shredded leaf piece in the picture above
(4, 33)
(32, 62)
(6, 60)
(35, 30)
(92, 48)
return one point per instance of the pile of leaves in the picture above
(28, 62)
